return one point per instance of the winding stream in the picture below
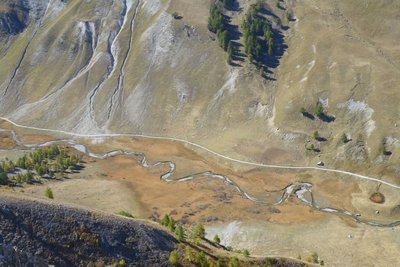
(297, 189)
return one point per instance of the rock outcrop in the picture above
(39, 234)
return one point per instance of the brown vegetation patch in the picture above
(377, 197)
(6, 141)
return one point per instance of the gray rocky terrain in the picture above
(39, 234)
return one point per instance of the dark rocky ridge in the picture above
(39, 234)
(16, 15)
(12, 23)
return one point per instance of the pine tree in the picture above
(28, 177)
(199, 231)
(180, 233)
(174, 258)
(171, 224)
(49, 193)
(165, 220)
(216, 239)
(4, 178)
(316, 135)
(189, 253)
(319, 110)
(201, 259)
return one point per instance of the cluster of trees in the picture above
(170, 223)
(191, 254)
(43, 162)
(198, 233)
(218, 25)
(199, 258)
(258, 37)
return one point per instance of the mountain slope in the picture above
(129, 66)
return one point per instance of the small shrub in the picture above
(216, 239)
(233, 261)
(316, 135)
(48, 193)
(4, 178)
(314, 257)
(220, 262)
(271, 261)
(121, 263)
(246, 253)
(343, 138)
(189, 253)
(174, 258)
(165, 220)
(319, 110)
(175, 15)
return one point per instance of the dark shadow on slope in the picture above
(308, 115)
(234, 36)
(268, 13)
(321, 139)
(234, 6)
(327, 118)
(387, 153)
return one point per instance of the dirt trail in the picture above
(195, 145)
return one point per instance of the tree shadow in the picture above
(234, 36)
(387, 153)
(278, 5)
(285, 28)
(267, 12)
(326, 118)
(234, 7)
(308, 115)
(78, 168)
(321, 139)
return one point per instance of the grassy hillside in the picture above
(130, 66)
